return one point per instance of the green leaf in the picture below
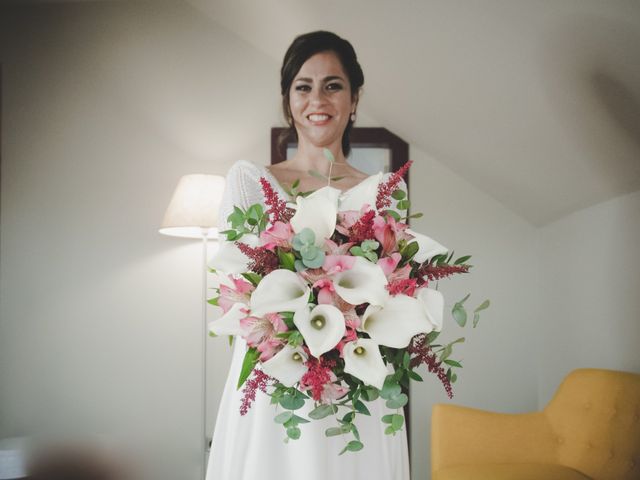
(432, 336)
(299, 420)
(453, 363)
(397, 422)
(476, 319)
(462, 259)
(291, 402)
(369, 245)
(416, 215)
(454, 377)
(284, 417)
(399, 194)
(361, 407)
(293, 433)
(213, 301)
(388, 418)
(295, 183)
(328, 155)
(390, 388)
(370, 394)
(459, 314)
(287, 260)
(397, 401)
(410, 250)
(406, 359)
(252, 277)
(322, 411)
(395, 215)
(250, 360)
(402, 205)
(352, 446)
(355, 431)
(415, 376)
(484, 305)
(333, 431)
(389, 430)
(348, 418)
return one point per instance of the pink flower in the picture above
(332, 248)
(279, 234)
(338, 263)
(326, 292)
(400, 274)
(239, 293)
(261, 333)
(350, 336)
(389, 264)
(385, 233)
(332, 391)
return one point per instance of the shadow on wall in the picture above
(591, 75)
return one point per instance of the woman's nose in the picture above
(317, 96)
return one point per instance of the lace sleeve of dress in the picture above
(242, 190)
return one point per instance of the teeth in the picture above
(318, 117)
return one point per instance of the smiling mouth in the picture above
(318, 117)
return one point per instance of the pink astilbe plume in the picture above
(433, 272)
(317, 376)
(258, 381)
(363, 228)
(424, 354)
(278, 211)
(264, 261)
(385, 189)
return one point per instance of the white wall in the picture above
(104, 106)
(589, 285)
(499, 355)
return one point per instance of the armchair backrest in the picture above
(595, 416)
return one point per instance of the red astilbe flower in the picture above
(406, 286)
(385, 189)
(278, 210)
(424, 354)
(264, 261)
(258, 381)
(363, 228)
(434, 272)
(317, 376)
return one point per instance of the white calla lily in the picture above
(322, 327)
(396, 323)
(229, 323)
(279, 291)
(287, 366)
(362, 359)
(229, 259)
(317, 212)
(363, 283)
(366, 192)
(427, 247)
(433, 304)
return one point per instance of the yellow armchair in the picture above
(589, 431)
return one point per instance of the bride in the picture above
(320, 84)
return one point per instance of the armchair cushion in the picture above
(509, 471)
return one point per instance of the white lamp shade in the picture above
(193, 211)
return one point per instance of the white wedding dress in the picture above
(251, 447)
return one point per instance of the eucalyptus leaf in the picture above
(284, 417)
(397, 401)
(484, 305)
(322, 411)
(459, 314)
(293, 433)
(328, 155)
(397, 422)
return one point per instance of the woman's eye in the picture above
(334, 86)
(303, 88)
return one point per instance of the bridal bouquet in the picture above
(334, 297)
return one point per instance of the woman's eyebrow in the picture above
(326, 79)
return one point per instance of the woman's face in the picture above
(320, 100)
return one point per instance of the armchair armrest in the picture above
(464, 436)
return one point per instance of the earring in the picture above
(353, 116)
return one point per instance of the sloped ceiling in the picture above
(535, 103)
